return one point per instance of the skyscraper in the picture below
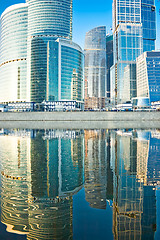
(44, 33)
(148, 19)
(52, 57)
(148, 80)
(13, 57)
(109, 59)
(53, 18)
(133, 32)
(95, 68)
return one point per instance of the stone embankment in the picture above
(78, 120)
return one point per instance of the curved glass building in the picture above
(53, 62)
(50, 17)
(95, 68)
(54, 65)
(13, 58)
(56, 70)
(39, 60)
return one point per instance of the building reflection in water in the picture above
(40, 174)
(134, 202)
(41, 170)
(56, 174)
(15, 154)
(98, 175)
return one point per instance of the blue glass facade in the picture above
(148, 19)
(134, 27)
(56, 70)
(71, 73)
(44, 69)
(126, 11)
(128, 45)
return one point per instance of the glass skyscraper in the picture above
(55, 62)
(148, 19)
(95, 68)
(109, 58)
(52, 67)
(50, 17)
(53, 59)
(134, 31)
(148, 78)
(13, 57)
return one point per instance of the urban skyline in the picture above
(86, 17)
(39, 63)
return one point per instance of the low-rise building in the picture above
(21, 107)
(65, 105)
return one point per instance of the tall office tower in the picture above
(51, 17)
(53, 59)
(52, 68)
(13, 57)
(148, 80)
(148, 18)
(133, 32)
(95, 68)
(109, 59)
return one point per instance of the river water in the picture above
(80, 184)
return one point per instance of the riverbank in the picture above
(80, 116)
(80, 120)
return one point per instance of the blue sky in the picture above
(87, 14)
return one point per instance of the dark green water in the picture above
(83, 184)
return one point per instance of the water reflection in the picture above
(98, 175)
(134, 202)
(42, 171)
